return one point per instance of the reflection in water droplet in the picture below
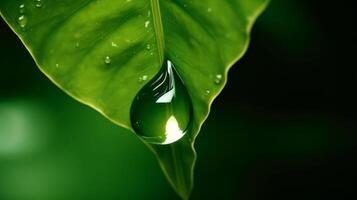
(22, 21)
(218, 79)
(38, 3)
(22, 8)
(161, 111)
(107, 60)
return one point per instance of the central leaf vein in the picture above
(159, 33)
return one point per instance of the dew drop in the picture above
(218, 78)
(22, 8)
(207, 92)
(148, 46)
(107, 60)
(143, 78)
(77, 44)
(38, 3)
(147, 23)
(209, 9)
(114, 44)
(22, 21)
(162, 110)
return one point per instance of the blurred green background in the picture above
(276, 131)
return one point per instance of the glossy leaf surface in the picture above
(102, 52)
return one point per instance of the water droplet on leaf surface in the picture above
(143, 78)
(22, 21)
(162, 110)
(38, 3)
(107, 60)
(207, 92)
(22, 8)
(218, 79)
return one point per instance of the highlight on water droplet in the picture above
(38, 3)
(161, 111)
(22, 8)
(107, 60)
(22, 21)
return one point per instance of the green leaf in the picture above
(96, 51)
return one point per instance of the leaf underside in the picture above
(97, 50)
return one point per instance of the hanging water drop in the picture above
(22, 21)
(162, 110)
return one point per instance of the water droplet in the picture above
(22, 21)
(209, 9)
(162, 110)
(38, 3)
(148, 46)
(77, 44)
(57, 65)
(114, 44)
(207, 92)
(143, 78)
(107, 60)
(147, 23)
(218, 78)
(22, 8)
